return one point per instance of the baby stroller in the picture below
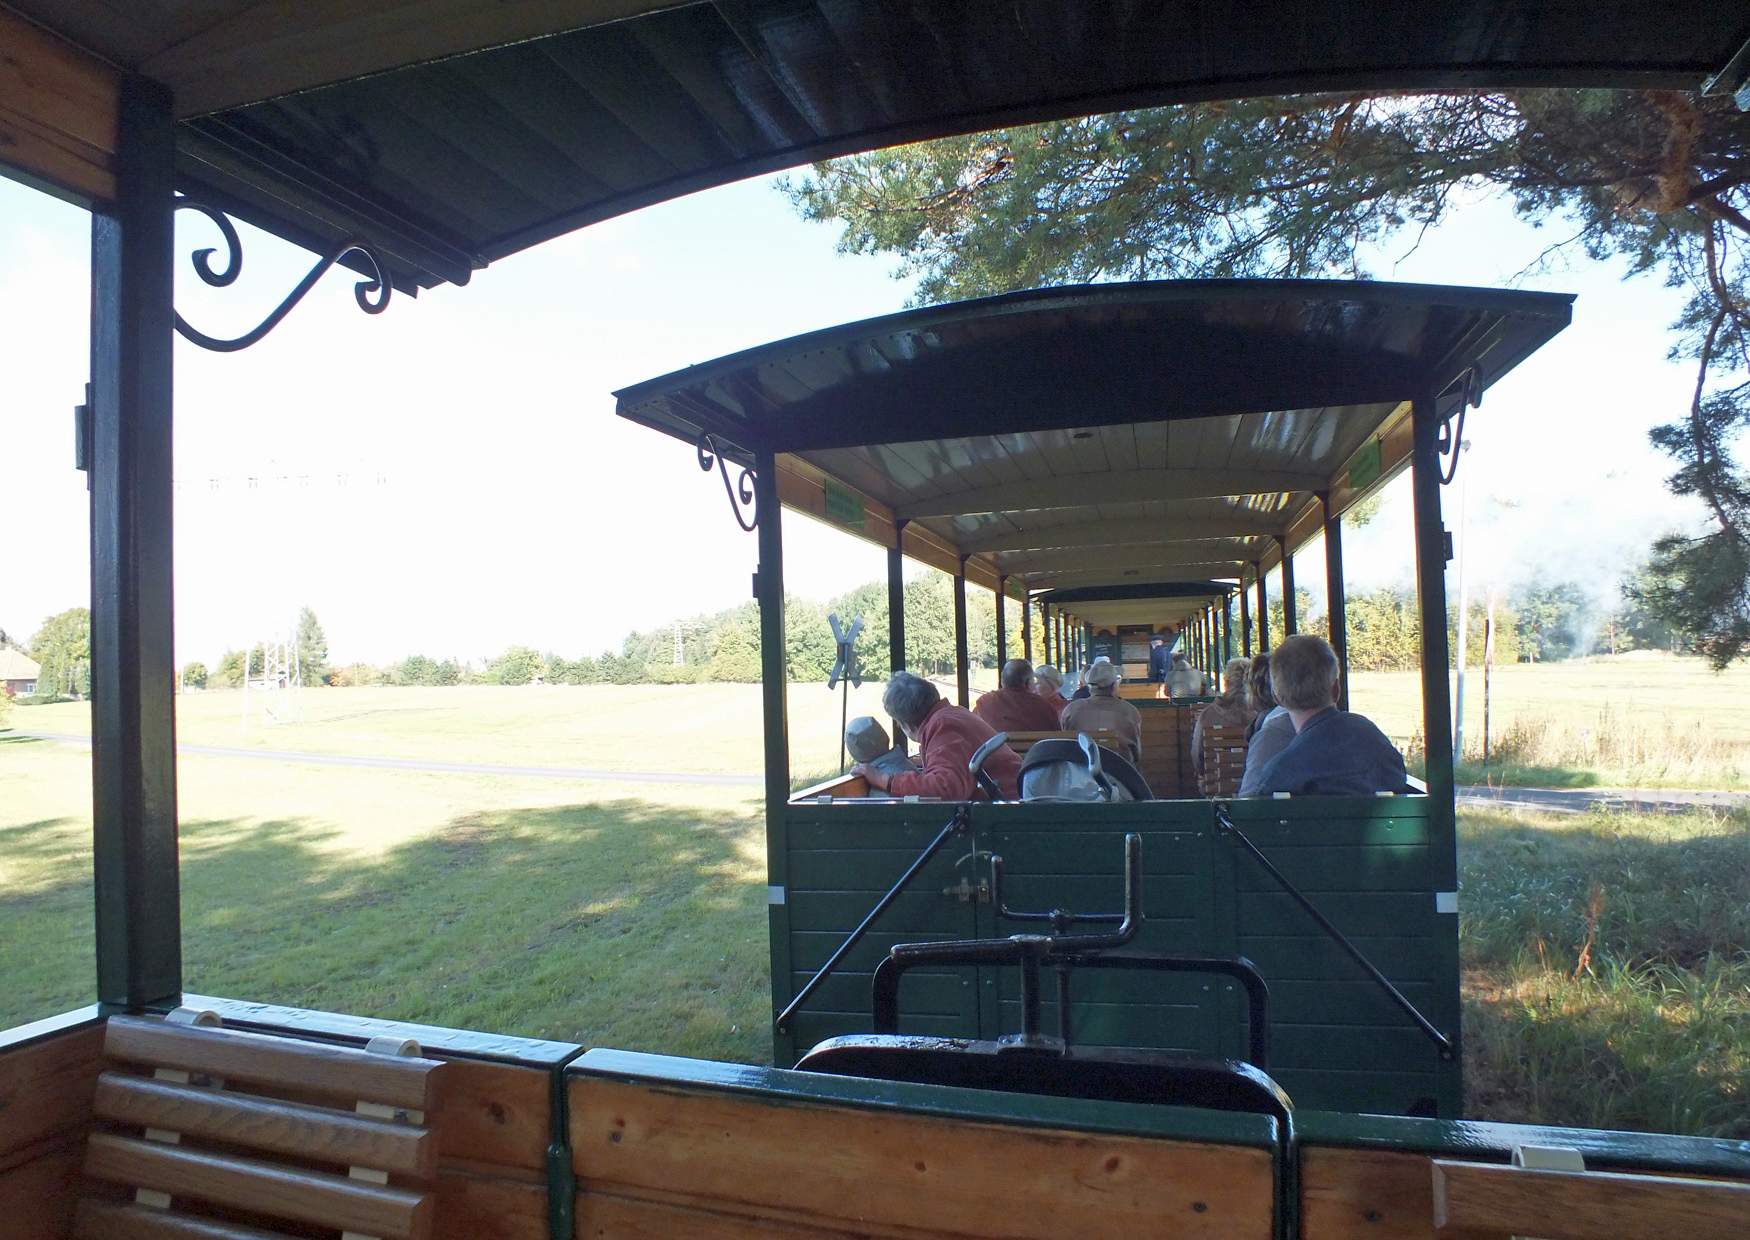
(1064, 770)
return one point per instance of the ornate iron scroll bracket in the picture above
(1451, 442)
(742, 497)
(371, 293)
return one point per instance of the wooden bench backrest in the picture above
(1021, 742)
(231, 1125)
(1224, 759)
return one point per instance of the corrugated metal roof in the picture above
(452, 162)
(1149, 431)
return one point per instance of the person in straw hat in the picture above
(1104, 710)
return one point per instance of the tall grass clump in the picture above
(1607, 970)
(1611, 747)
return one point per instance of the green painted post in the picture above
(1227, 629)
(769, 591)
(1336, 605)
(962, 674)
(1263, 609)
(1245, 618)
(896, 619)
(133, 667)
(1002, 621)
(1027, 626)
(1290, 616)
(1431, 556)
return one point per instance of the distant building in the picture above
(17, 673)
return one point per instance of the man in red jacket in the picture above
(947, 737)
(1015, 707)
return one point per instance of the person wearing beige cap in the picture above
(1104, 709)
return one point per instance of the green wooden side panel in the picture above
(1374, 867)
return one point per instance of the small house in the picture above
(18, 672)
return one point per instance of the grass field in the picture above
(632, 915)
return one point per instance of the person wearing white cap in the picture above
(1103, 709)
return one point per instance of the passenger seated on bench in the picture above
(1229, 710)
(1334, 752)
(1104, 709)
(867, 741)
(1047, 681)
(1271, 729)
(1014, 707)
(947, 737)
(1185, 681)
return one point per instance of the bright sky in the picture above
(468, 486)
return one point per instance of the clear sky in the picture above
(455, 480)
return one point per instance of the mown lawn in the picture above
(1607, 957)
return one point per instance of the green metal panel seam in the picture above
(561, 1177)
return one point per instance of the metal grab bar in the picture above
(959, 822)
(1224, 822)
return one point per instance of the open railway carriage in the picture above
(415, 142)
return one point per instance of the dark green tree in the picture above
(194, 675)
(1549, 617)
(62, 647)
(1298, 185)
(229, 672)
(312, 649)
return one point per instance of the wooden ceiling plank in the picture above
(1122, 486)
(58, 112)
(1114, 533)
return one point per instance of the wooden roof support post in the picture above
(1227, 629)
(133, 713)
(1431, 553)
(963, 681)
(1290, 617)
(769, 591)
(1245, 618)
(1002, 624)
(1336, 608)
(1263, 610)
(896, 618)
(1027, 624)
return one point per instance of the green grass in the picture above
(1607, 970)
(634, 916)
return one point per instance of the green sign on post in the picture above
(843, 507)
(1364, 469)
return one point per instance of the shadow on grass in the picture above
(623, 923)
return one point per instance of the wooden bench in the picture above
(211, 1133)
(1021, 742)
(1224, 759)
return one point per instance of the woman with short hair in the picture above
(1272, 729)
(1229, 710)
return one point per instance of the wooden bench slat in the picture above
(338, 1071)
(306, 1196)
(112, 1220)
(267, 1124)
(1485, 1199)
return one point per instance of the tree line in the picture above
(1537, 622)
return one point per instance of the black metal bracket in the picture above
(742, 494)
(961, 821)
(1451, 441)
(1062, 919)
(371, 293)
(1224, 823)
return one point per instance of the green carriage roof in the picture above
(1110, 434)
(452, 134)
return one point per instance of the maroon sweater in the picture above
(946, 742)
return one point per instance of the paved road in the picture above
(1551, 800)
(1580, 800)
(441, 768)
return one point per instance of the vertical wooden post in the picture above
(896, 618)
(1290, 605)
(963, 681)
(1263, 609)
(1002, 624)
(1245, 617)
(1227, 629)
(1431, 550)
(1027, 625)
(133, 673)
(1336, 603)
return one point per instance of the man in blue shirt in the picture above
(1334, 753)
